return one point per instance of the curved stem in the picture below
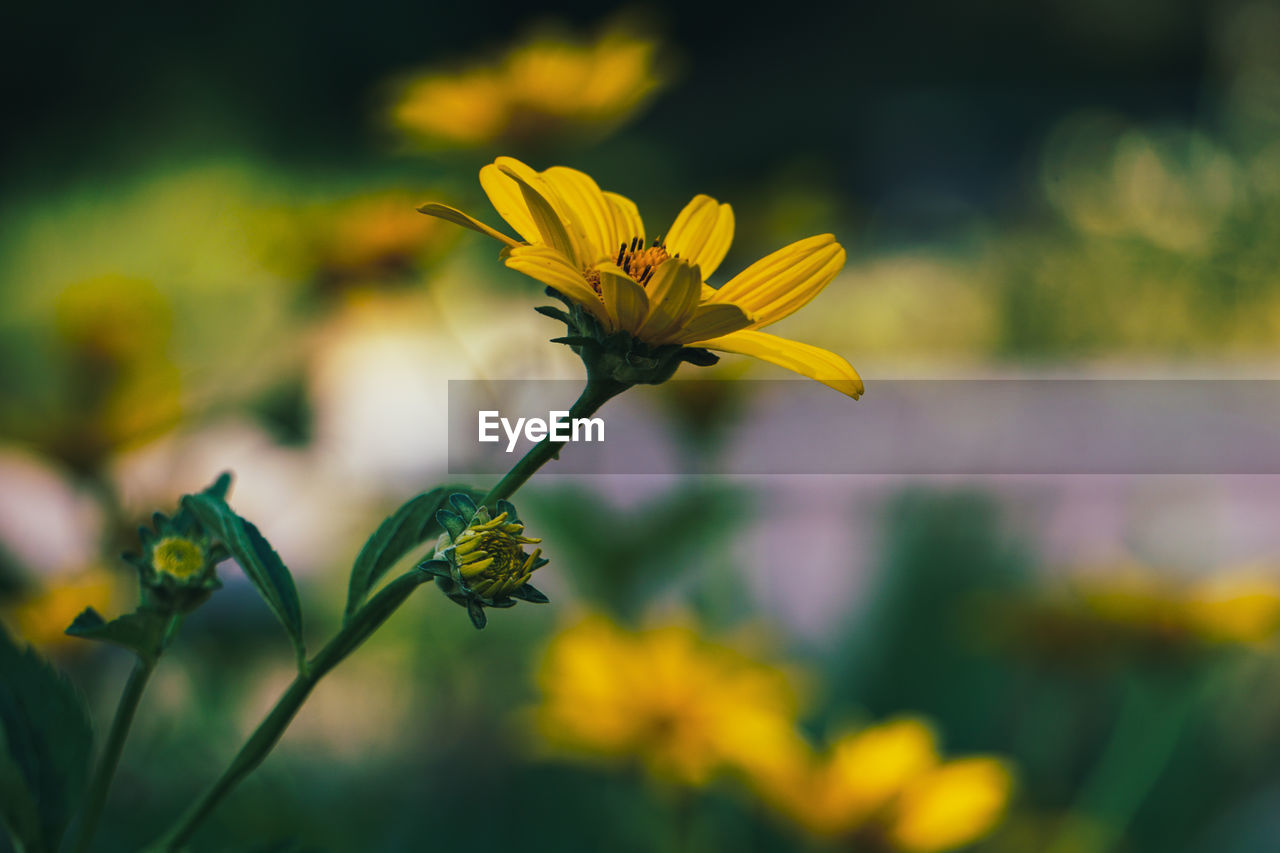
(364, 622)
(96, 797)
(596, 394)
(357, 629)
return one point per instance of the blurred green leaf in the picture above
(405, 529)
(622, 558)
(45, 740)
(261, 564)
(141, 632)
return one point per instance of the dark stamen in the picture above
(621, 253)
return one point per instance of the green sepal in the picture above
(464, 505)
(438, 568)
(476, 611)
(45, 741)
(699, 356)
(452, 523)
(259, 561)
(528, 592)
(576, 341)
(409, 526)
(555, 294)
(554, 313)
(509, 508)
(141, 632)
(501, 602)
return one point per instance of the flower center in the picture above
(178, 557)
(638, 261)
(635, 259)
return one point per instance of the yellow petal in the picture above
(780, 283)
(702, 233)
(626, 218)
(457, 217)
(591, 209)
(673, 296)
(505, 196)
(554, 270)
(624, 300)
(805, 359)
(553, 224)
(713, 321)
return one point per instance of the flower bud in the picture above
(176, 566)
(480, 560)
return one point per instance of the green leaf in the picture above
(184, 520)
(141, 632)
(45, 739)
(405, 529)
(261, 564)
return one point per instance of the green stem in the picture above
(596, 394)
(357, 629)
(96, 797)
(364, 622)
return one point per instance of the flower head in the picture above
(639, 307)
(178, 562)
(888, 782)
(682, 706)
(547, 86)
(480, 559)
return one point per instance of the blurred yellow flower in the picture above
(548, 85)
(684, 707)
(42, 617)
(589, 246)
(115, 384)
(1238, 606)
(1124, 607)
(888, 782)
(951, 805)
(370, 239)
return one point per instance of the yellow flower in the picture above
(368, 239)
(590, 246)
(889, 782)
(684, 707)
(466, 108)
(547, 85)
